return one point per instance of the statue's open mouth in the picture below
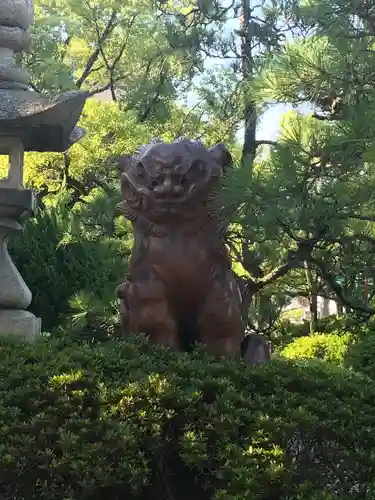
(174, 199)
(165, 198)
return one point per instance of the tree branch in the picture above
(368, 218)
(338, 291)
(103, 88)
(277, 273)
(94, 56)
(265, 142)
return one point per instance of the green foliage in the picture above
(57, 261)
(90, 44)
(128, 420)
(142, 59)
(342, 324)
(312, 195)
(286, 332)
(293, 315)
(305, 207)
(361, 355)
(330, 347)
(112, 131)
(297, 73)
(93, 317)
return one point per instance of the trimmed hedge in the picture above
(330, 347)
(128, 421)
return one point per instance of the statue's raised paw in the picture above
(123, 289)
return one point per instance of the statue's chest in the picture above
(175, 252)
(185, 264)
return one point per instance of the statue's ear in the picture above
(221, 155)
(121, 162)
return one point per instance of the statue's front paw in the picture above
(123, 289)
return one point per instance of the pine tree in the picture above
(312, 198)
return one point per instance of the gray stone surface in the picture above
(23, 324)
(15, 296)
(18, 13)
(42, 123)
(16, 204)
(13, 85)
(16, 16)
(14, 293)
(10, 73)
(13, 147)
(14, 39)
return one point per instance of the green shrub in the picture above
(330, 347)
(331, 324)
(361, 355)
(57, 261)
(128, 421)
(286, 332)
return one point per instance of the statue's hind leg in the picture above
(221, 328)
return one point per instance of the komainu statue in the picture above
(180, 288)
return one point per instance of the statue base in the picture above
(16, 205)
(20, 324)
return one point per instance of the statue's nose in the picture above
(168, 190)
(178, 190)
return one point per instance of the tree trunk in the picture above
(247, 297)
(250, 118)
(313, 297)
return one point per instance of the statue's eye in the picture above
(140, 171)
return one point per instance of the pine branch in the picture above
(368, 218)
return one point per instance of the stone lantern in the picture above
(29, 121)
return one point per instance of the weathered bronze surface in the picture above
(180, 288)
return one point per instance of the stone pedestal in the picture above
(15, 296)
(17, 323)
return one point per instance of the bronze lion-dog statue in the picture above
(180, 288)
